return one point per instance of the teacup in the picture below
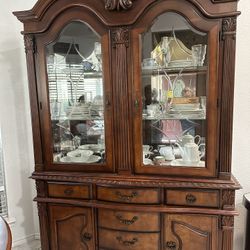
(167, 152)
(159, 160)
(147, 148)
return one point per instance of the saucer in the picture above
(80, 153)
(180, 162)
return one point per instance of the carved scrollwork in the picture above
(227, 221)
(118, 4)
(40, 188)
(29, 43)
(228, 197)
(229, 27)
(120, 36)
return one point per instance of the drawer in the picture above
(129, 195)
(117, 240)
(193, 198)
(67, 190)
(129, 221)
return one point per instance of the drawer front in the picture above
(115, 240)
(129, 195)
(193, 198)
(75, 191)
(129, 221)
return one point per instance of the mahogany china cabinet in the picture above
(132, 111)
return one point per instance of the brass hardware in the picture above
(171, 245)
(137, 104)
(68, 191)
(127, 243)
(126, 222)
(126, 197)
(190, 199)
(86, 237)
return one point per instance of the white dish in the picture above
(180, 162)
(80, 153)
(93, 147)
(187, 106)
(90, 159)
(147, 162)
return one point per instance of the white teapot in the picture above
(190, 153)
(188, 139)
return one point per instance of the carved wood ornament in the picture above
(229, 27)
(118, 4)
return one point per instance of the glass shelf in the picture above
(173, 70)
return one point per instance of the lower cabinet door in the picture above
(190, 232)
(71, 228)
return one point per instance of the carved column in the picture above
(30, 50)
(227, 223)
(226, 127)
(122, 119)
(43, 215)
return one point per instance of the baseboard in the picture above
(29, 242)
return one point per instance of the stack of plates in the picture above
(96, 110)
(186, 106)
(79, 111)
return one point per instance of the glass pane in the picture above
(174, 82)
(74, 66)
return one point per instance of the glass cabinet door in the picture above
(76, 96)
(174, 87)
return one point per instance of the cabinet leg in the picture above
(227, 232)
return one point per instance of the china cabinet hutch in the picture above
(132, 109)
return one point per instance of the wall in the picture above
(241, 135)
(16, 127)
(15, 122)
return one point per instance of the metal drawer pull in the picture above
(68, 191)
(86, 237)
(126, 197)
(171, 245)
(190, 199)
(126, 222)
(127, 243)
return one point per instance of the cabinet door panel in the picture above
(71, 228)
(188, 232)
(176, 90)
(74, 90)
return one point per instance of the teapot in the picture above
(190, 152)
(187, 138)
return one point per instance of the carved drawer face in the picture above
(129, 221)
(193, 198)
(71, 190)
(129, 195)
(117, 240)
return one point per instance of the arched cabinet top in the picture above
(113, 12)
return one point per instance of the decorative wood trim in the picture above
(118, 4)
(44, 224)
(227, 223)
(227, 90)
(30, 49)
(224, 1)
(228, 198)
(138, 207)
(41, 188)
(137, 182)
(120, 43)
(229, 27)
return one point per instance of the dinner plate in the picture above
(93, 147)
(180, 163)
(80, 153)
(90, 159)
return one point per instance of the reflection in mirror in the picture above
(174, 82)
(74, 68)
